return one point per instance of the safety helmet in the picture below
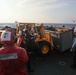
(7, 37)
(20, 33)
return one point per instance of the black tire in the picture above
(44, 49)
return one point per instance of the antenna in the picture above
(74, 21)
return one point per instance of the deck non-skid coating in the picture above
(54, 64)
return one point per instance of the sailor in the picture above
(73, 50)
(12, 58)
(21, 39)
(28, 43)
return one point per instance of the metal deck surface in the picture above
(54, 64)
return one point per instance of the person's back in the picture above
(29, 31)
(28, 36)
(12, 58)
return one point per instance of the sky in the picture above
(38, 11)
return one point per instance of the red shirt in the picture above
(20, 39)
(21, 42)
(13, 60)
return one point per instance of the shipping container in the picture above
(62, 39)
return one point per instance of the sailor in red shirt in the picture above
(12, 58)
(21, 40)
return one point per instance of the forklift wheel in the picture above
(44, 48)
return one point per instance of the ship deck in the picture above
(54, 64)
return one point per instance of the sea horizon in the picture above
(45, 24)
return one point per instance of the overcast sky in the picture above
(41, 11)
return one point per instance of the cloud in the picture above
(58, 5)
(24, 3)
(40, 4)
(35, 1)
(38, 8)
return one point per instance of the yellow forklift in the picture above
(42, 39)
